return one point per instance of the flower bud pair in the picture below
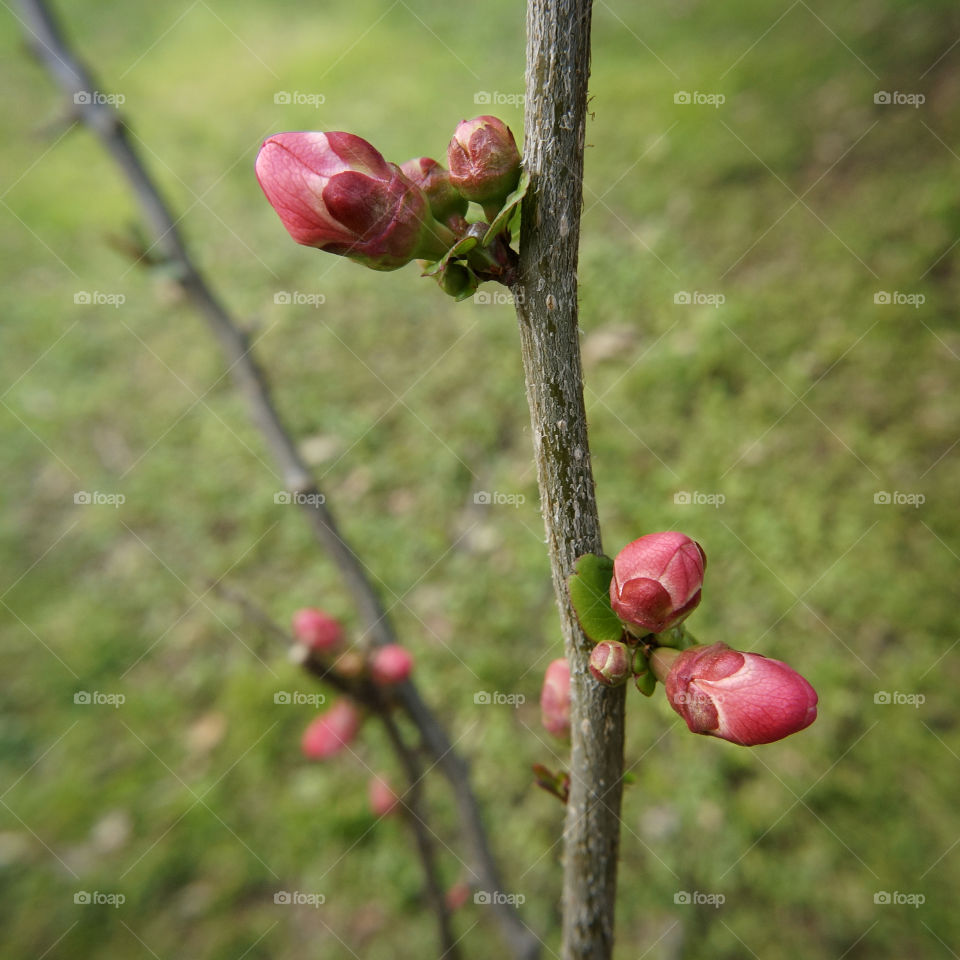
(335, 191)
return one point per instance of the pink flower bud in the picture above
(484, 161)
(335, 191)
(741, 697)
(611, 663)
(457, 895)
(434, 181)
(656, 580)
(390, 664)
(317, 630)
(331, 731)
(555, 698)
(383, 801)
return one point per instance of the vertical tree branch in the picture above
(558, 66)
(48, 44)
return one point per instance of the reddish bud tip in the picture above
(656, 580)
(745, 698)
(555, 698)
(611, 663)
(390, 664)
(434, 181)
(333, 730)
(484, 160)
(383, 801)
(317, 630)
(457, 896)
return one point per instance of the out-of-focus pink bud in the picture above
(317, 630)
(331, 731)
(484, 160)
(656, 580)
(335, 191)
(611, 663)
(458, 895)
(390, 664)
(434, 181)
(741, 697)
(383, 800)
(555, 698)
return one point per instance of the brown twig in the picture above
(48, 44)
(558, 67)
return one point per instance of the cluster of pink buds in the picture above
(321, 639)
(336, 192)
(655, 583)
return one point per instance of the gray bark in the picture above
(558, 66)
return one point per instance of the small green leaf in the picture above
(462, 246)
(646, 683)
(590, 595)
(502, 219)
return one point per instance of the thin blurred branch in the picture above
(48, 44)
(558, 67)
(372, 698)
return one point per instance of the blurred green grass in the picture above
(798, 400)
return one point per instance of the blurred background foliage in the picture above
(798, 400)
